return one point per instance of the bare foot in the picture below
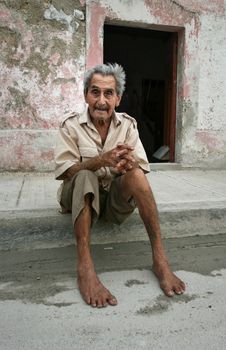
(93, 291)
(168, 281)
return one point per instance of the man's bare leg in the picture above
(135, 184)
(91, 289)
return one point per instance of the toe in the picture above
(169, 293)
(93, 302)
(87, 300)
(178, 291)
(100, 303)
(112, 301)
(167, 289)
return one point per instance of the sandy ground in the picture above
(41, 307)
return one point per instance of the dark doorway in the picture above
(149, 59)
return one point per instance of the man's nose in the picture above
(101, 99)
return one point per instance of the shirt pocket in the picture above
(87, 153)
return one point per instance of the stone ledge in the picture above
(48, 228)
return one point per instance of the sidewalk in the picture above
(190, 202)
(39, 298)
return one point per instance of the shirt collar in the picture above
(117, 118)
(84, 117)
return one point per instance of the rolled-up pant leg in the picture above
(74, 191)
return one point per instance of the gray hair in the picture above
(114, 69)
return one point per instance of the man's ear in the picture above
(118, 100)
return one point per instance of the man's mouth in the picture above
(101, 109)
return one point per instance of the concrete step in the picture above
(190, 202)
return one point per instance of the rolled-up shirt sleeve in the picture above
(132, 139)
(66, 151)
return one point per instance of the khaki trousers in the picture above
(109, 205)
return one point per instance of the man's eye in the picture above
(95, 92)
(109, 93)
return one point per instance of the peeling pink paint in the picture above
(168, 13)
(25, 150)
(210, 139)
(5, 14)
(20, 26)
(66, 71)
(188, 7)
(203, 6)
(173, 14)
(35, 90)
(82, 2)
(186, 88)
(54, 58)
(68, 90)
(187, 54)
(47, 155)
(95, 49)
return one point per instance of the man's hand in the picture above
(120, 158)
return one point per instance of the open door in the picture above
(149, 58)
(170, 96)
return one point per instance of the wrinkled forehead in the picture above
(103, 82)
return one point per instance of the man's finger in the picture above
(125, 146)
(129, 158)
(123, 166)
(122, 152)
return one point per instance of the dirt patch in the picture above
(133, 282)
(162, 304)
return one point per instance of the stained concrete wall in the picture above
(46, 44)
(42, 59)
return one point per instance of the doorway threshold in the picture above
(165, 166)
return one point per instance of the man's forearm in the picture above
(119, 158)
(92, 164)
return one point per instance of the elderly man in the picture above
(102, 163)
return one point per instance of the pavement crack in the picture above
(20, 192)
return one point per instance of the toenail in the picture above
(170, 294)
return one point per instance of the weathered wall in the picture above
(46, 44)
(204, 117)
(201, 102)
(42, 58)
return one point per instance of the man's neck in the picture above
(101, 123)
(102, 126)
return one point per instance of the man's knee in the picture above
(134, 182)
(134, 175)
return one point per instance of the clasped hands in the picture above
(120, 158)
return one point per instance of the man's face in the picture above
(102, 97)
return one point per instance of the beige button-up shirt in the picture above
(79, 140)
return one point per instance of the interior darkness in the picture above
(144, 55)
